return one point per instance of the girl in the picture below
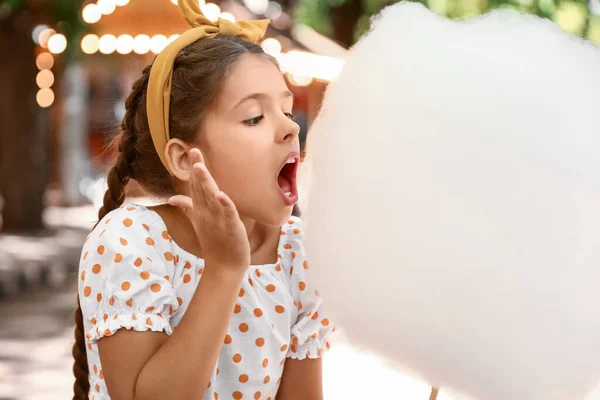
(210, 288)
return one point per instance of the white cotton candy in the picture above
(453, 219)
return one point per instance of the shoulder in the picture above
(293, 229)
(291, 247)
(131, 228)
(130, 215)
(125, 253)
(129, 219)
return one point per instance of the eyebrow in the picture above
(260, 96)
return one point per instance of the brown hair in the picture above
(199, 73)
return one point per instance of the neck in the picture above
(256, 233)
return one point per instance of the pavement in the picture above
(37, 299)
(30, 262)
(35, 345)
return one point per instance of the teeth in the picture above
(288, 194)
(291, 161)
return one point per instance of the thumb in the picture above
(183, 202)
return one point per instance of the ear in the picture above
(177, 156)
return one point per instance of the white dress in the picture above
(133, 275)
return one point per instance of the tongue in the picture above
(284, 184)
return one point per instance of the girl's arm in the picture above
(146, 365)
(302, 380)
(151, 365)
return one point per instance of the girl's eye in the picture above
(290, 116)
(254, 121)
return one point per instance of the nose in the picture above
(288, 129)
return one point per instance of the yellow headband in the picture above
(159, 84)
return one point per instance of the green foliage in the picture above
(362, 26)
(372, 6)
(10, 5)
(71, 24)
(572, 15)
(314, 13)
(64, 16)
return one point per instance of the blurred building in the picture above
(123, 36)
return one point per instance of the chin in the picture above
(281, 217)
(274, 215)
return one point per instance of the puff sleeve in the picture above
(125, 276)
(312, 329)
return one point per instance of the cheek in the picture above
(241, 161)
(226, 171)
(237, 172)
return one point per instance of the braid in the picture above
(117, 180)
(81, 386)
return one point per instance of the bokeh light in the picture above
(90, 43)
(44, 79)
(571, 17)
(44, 36)
(44, 61)
(91, 13)
(273, 10)
(257, 6)
(35, 34)
(271, 46)
(57, 43)
(107, 6)
(141, 44)
(300, 63)
(594, 29)
(298, 80)
(227, 16)
(124, 44)
(45, 97)
(157, 43)
(211, 11)
(107, 44)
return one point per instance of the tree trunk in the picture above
(343, 21)
(23, 134)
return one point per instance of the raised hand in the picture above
(221, 233)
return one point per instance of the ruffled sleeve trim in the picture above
(312, 349)
(139, 322)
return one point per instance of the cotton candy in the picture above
(453, 203)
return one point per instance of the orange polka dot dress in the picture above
(132, 275)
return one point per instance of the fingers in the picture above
(201, 177)
(207, 184)
(196, 191)
(196, 156)
(183, 202)
(205, 193)
(229, 209)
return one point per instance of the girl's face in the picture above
(250, 142)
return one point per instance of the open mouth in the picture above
(286, 179)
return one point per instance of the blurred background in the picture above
(65, 68)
